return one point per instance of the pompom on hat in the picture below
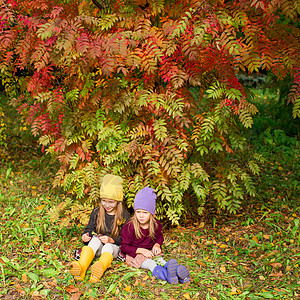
(111, 187)
(145, 199)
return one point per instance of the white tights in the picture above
(98, 247)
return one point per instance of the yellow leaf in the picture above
(233, 291)
(186, 296)
(36, 240)
(266, 236)
(201, 225)
(223, 269)
(261, 277)
(223, 246)
(24, 277)
(280, 168)
(40, 207)
(288, 268)
(255, 239)
(127, 289)
(146, 277)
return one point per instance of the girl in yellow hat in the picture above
(102, 234)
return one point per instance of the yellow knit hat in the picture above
(111, 187)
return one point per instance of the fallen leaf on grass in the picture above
(234, 291)
(278, 274)
(128, 288)
(75, 296)
(36, 240)
(71, 289)
(186, 296)
(276, 265)
(223, 269)
(24, 277)
(261, 277)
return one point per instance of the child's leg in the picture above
(160, 272)
(78, 268)
(149, 264)
(96, 245)
(108, 252)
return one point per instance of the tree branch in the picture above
(100, 6)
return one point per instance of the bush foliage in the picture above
(147, 90)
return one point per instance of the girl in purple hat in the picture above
(142, 238)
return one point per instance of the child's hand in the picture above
(106, 239)
(156, 249)
(147, 253)
(86, 238)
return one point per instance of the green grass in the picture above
(253, 255)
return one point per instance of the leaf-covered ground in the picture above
(253, 255)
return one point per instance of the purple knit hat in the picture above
(145, 199)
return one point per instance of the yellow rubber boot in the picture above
(78, 268)
(99, 267)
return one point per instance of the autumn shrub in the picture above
(147, 91)
(2, 125)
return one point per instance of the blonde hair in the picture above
(118, 221)
(137, 227)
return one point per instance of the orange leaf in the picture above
(75, 296)
(127, 289)
(71, 289)
(276, 265)
(223, 269)
(24, 277)
(278, 274)
(36, 240)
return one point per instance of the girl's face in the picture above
(143, 216)
(109, 205)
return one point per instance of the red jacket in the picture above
(130, 243)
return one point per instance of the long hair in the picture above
(118, 220)
(137, 227)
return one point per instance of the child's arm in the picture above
(127, 236)
(156, 249)
(106, 239)
(91, 226)
(86, 238)
(147, 253)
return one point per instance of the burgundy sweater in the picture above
(130, 243)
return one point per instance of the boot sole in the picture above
(97, 271)
(75, 270)
(171, 270)
(183, 274)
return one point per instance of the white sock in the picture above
(149, 264)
